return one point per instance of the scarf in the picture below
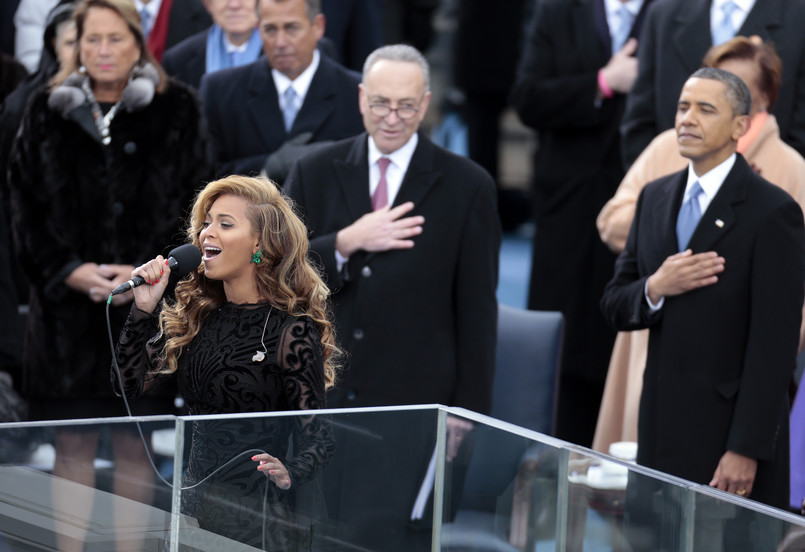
(217, 56)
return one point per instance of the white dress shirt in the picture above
(301, 84)
(738, 15)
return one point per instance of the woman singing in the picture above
(247, 332)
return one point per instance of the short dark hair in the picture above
(737, 92)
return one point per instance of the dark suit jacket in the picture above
(419, 324)
(720, 357)
(187, 61)
(577, 169)
(675, 39)
(245, 120)
(355, 28)
(187, 17)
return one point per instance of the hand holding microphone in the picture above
(156, 273)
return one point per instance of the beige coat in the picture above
(776, 161)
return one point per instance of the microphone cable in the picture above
(145, 443)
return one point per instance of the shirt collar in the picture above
(232, 48)
(712, 180)
(633, 6)
(744, 5)
(151, 7)
(300, 84)
(401, 157)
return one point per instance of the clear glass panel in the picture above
(614, 505)
(722, 523)
(500, 491)
(84, 485)
(363, 498)
(368, 479)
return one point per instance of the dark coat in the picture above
(720, 358)
(675, 39)
(419, 324)
(245, 120)
(187, 61)
(576, 170)
(75, 201)
(355, 28)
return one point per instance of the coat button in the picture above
(130, 148)
(366, 271)
(351, 395)
(117, 208)
(358, 334)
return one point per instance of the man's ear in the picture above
(740, 125)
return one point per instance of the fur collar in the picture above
(139, 91)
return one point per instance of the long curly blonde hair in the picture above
(286, 278)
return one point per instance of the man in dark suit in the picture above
(232, 41)
(168, 22)
(248, 109)
(714, 265)
(676, 37)
(571, 86)
(355, 28)
(408, 236)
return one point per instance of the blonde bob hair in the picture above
(285, 277)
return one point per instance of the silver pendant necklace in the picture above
(102, 121)
(260, 356)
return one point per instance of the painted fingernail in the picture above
(166, 262)
(254, 458)
(161, 272)
(271, 472)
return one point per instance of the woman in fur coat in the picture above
(101, 175)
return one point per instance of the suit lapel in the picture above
(666, 211)
(692, 36)
(719, 218)
(581, 15)
(637, 27)
(420, 176)
(352, 175)
(263, 104)
(319, 100)
(763, 19)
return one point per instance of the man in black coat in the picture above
(174, 21)
(411, 254)
(246, 106)
(722, 298)
(571, 86)
(675, 39)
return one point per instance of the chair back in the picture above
(529, 352)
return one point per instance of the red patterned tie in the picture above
(381, 196)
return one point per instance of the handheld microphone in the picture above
(181, 260)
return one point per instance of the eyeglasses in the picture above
(403, 111)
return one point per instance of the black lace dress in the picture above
(218, 374)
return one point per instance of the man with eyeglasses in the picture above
(408, 236)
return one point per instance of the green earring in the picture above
(257, 257)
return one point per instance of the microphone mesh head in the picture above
(184, 259)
